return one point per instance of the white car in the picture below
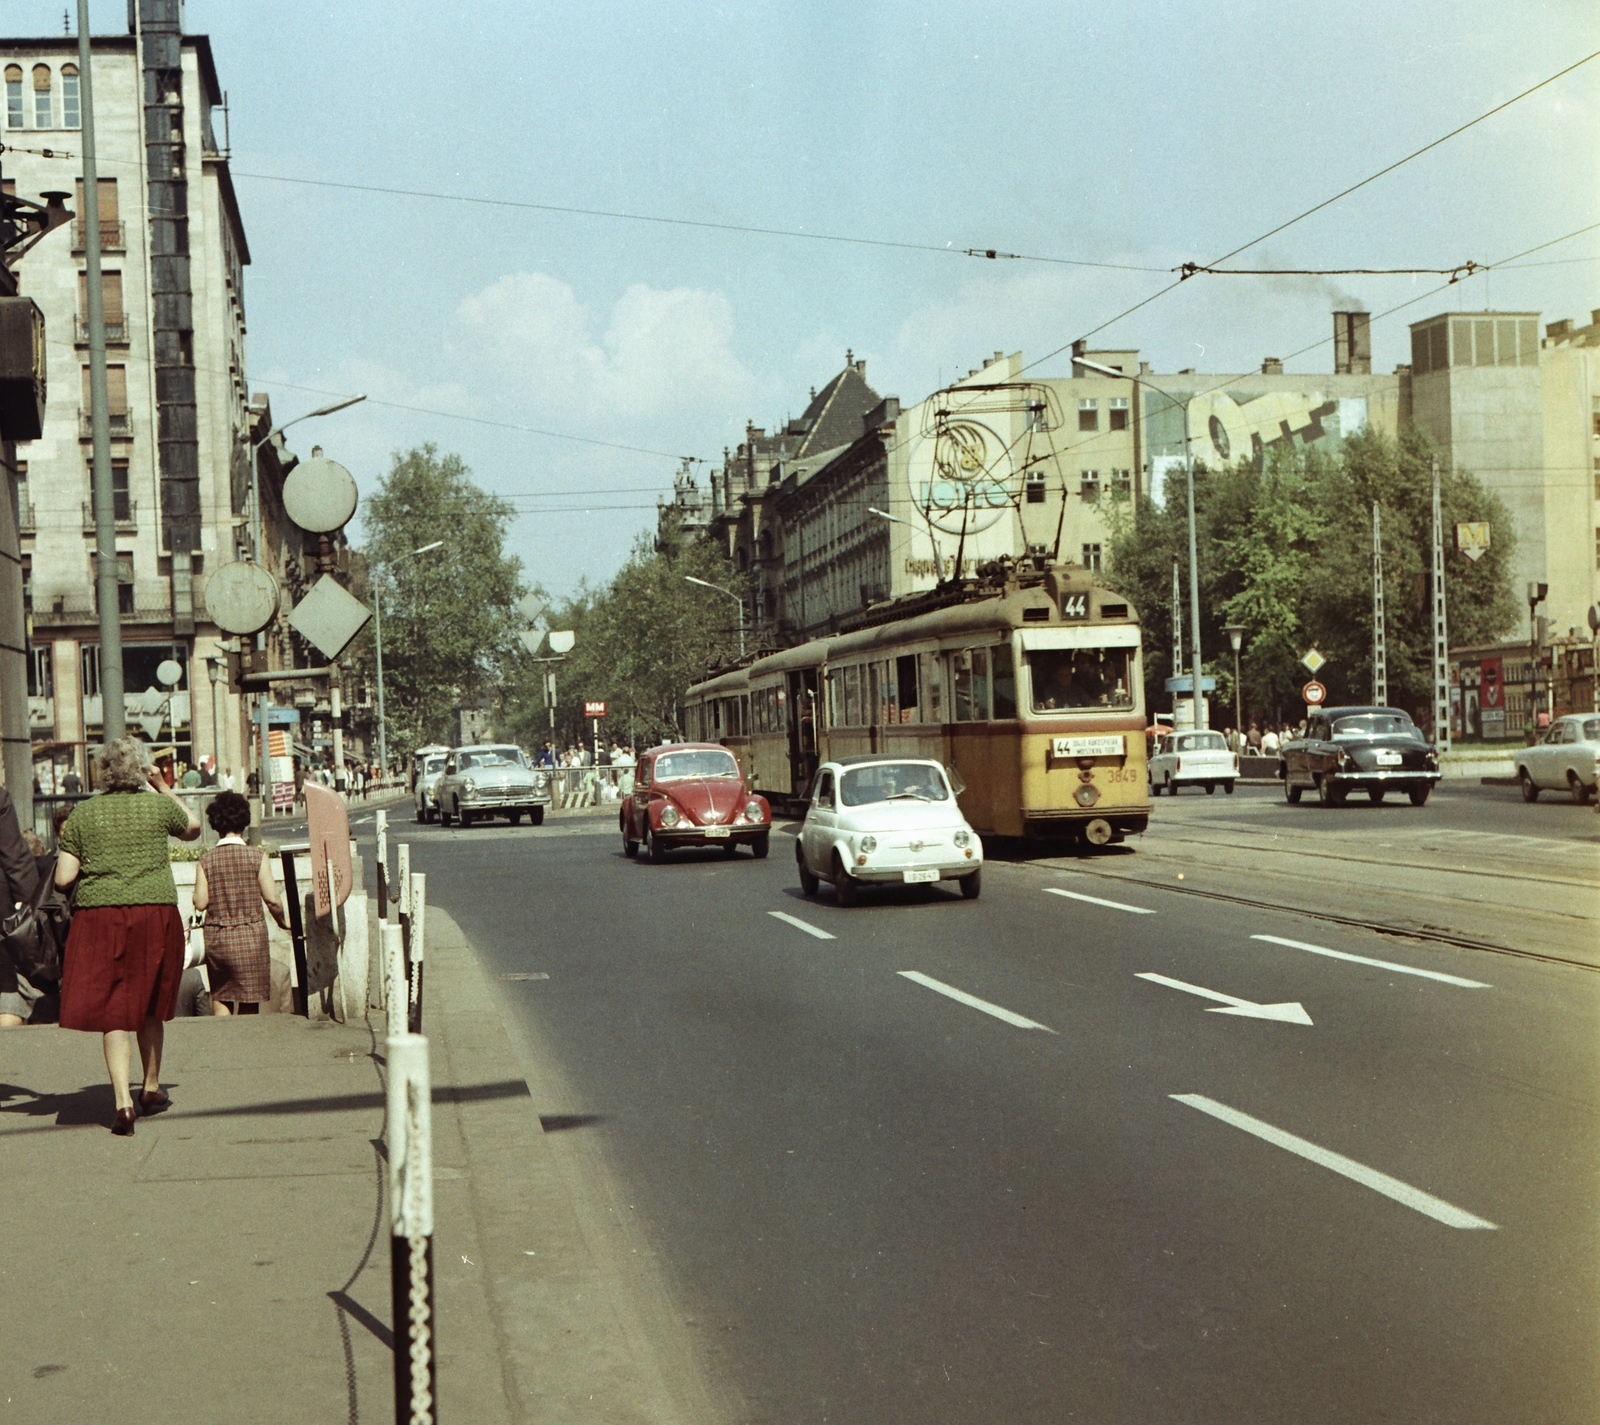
(430, 767)
(1564, 759)
(1193, 759)
(884, 819)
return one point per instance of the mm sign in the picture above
(1314, 693)
(594, 709)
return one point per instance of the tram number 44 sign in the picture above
(594, 709)
(1314, 693)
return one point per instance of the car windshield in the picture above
(892, 781)
(1202, 742)
(1384, 724)
(492, 757)
(432, 765)
(695, 764)
(1081, 678)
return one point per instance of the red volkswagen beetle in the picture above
(692, 794)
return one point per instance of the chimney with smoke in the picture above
(1352, 343)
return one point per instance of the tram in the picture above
(1026, 683)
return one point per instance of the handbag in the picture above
(28, 940)
(194, 941)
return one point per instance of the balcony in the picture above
(116, 332)
(120, 421)
(113, 236)
(127, 515)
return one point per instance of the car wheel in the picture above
(658, 852)
(1210, 788)
(422, 816)
(515, 818)
(1375, 795)
(1172, 787)
(1580, 793)
(466, 818)
(845, 890)
(730, 849)
(1291, 793)
(1328, 792)
(1419, 795)
(971, 885)
(758, 847)
(1228, 788)
(536, 817)
(1530, 793)
(808, 882)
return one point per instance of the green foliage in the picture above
(640, 641)
(1287, 551)
(448, 621)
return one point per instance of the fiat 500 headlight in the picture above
(753, 812)
(869, 843)
(962, 837)
(669, 816)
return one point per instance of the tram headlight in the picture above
(669, 816)
(963, 837)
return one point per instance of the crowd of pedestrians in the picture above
(1263, 742)
(580, 780)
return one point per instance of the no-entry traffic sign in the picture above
(1313, 693)
(594, 709)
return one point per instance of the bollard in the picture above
(402, 878)
(410, 1144)
(395, 993)
(418, 899)
(297, 936)
(382, 821)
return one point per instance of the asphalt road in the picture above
(878, 1202)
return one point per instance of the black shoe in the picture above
(122, 1124)
(152, 1101)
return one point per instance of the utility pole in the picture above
(113, 709)
(1441, 634)
(383, 728)
(1380, 661)
(1177, 633)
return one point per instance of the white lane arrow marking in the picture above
(964, 998)
(799, 924)
(1289, 1013)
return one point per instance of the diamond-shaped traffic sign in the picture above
(1313, 660)
(329, 616)
(532, 638)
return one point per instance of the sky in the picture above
(1138, 136)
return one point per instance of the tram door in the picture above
(803, 759)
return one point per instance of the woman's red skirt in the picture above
(121, 966)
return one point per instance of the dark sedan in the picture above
(1375, 750)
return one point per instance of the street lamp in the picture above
(377, 610)
(1236, 633)
(689, 578)
(938, 563)
(1194, 561)
(214, 667)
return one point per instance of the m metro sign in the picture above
(594, 709)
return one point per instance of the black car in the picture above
(1377, 750)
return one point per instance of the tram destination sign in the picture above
(1112, 746)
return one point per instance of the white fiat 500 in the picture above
(882, 820)
(1192, 759)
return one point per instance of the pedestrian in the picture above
(1269, 742)
(72, 783)
(253, 783)
(21, 880)
(1253, 740)
(124, 957)
(191, 778)
(231, 885)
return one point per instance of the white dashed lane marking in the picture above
(1381, 964)
(962, 997)
(1095, 900)
(799, 924)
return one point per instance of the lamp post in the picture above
(1236, 632)
(1194, 561)
(689, 578)
(377, 635)
(214, 667)
(938, 563)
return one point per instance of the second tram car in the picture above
(1028, 686)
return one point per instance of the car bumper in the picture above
(519, 802)
(1384, 776)
(739, 835)
(895, 874)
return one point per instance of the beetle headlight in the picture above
(962, 837)
(669, 816)
(753, 812)
(869, 843)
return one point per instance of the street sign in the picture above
(594, 709)
(531, 607)
(329, 616)
(1313, 661)
(531, 639)
(320, 495)
(1314, 693)
(1473, 539)
(241, 598)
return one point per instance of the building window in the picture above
(1089, 414)
(1118, 407)
(1089, 484)
(71, 117)
(1597, 478)
(41, 680)
(1597, 416)
(1091, 556)
(1035, 419)
(110, 221)
(1034, 485)
(14, 96)
(124, 581)
(27, 595)
(110, 301)
(117, 397)
(1597, 549)
(25, 498)
(42, 114)
(1122, 484)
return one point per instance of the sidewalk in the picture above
(230, 1262)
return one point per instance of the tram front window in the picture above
(1081, 678)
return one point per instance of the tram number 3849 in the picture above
(1075, 606)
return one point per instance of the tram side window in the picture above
(905, 675)
(1005, 681)
(971, 668)
(852, 696)
(933, 681)
(1081, 678)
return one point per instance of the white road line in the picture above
(799, 924)
(1381, 964)
(1095, 900)
(1290, 1012)
(975, 1002)
(1414, 1198)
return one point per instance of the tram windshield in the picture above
(1081, 678)
(892, 781)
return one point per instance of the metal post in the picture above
(1238, 701)
(409, 1140)
(383, 727)
(1380, 661)
(381, 821)
(417, 946)
(113, 710)
(336, 714)
(1441, 635)
(1200, 721)
(1177, 633)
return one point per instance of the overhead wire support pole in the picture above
(1441, 633)
(113, 708)
(1380, 660)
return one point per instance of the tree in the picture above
(448, 620)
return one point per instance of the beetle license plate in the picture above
(1387, 758)
(716, 831)
(917, 877)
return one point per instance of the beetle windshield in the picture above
(892, 781)
(1202, 742)
(1375, 724)
(695, 764)
(1081, 678)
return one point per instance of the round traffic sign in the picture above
(320, 495)
(1313, 693)
(242, 598)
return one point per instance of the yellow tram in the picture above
(1027, 684)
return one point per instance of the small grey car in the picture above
(1562, 760)
(488, 780)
